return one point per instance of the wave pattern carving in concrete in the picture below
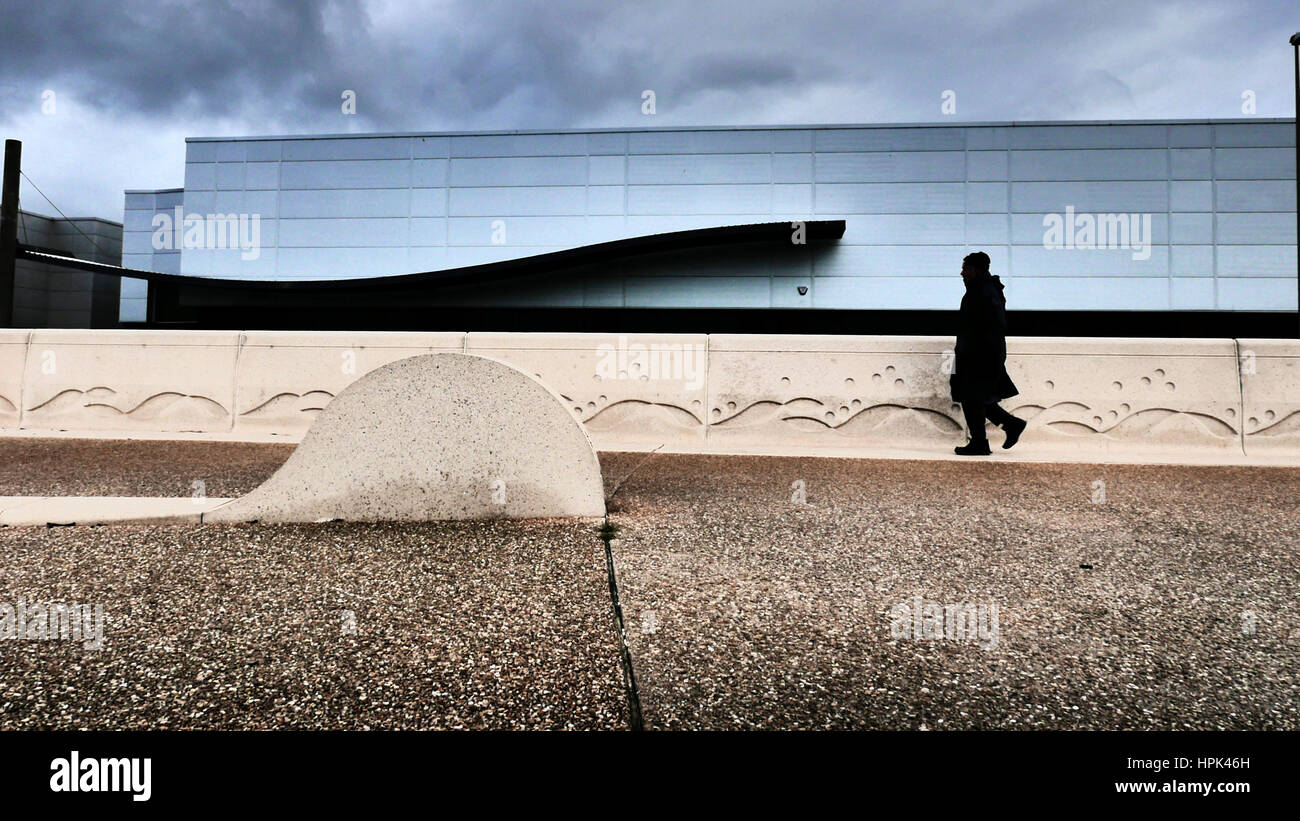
(311, 403)
(99, 401)
(1270, 383)
(687, 392)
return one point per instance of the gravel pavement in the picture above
(759, 592)
(1128, 611)
(502, 625)
(125, 467)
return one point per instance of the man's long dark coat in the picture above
(980, 373)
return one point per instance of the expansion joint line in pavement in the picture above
(1241, 398)
(629, 675)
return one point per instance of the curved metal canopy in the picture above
(763, 232)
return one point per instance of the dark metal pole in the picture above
(9, 230)
(1295, 43)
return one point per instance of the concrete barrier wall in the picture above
(285, 378)
(118, 380)
(724, 393)
(830, 391)
(13, 358)
(1129, 396)
(629, 391)
(1270, 380)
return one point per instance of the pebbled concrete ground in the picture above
(1129, 597)
(502, 625)
(113, 467)
(747, 610)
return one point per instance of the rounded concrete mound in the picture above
(436, 437)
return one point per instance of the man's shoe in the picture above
(1014, 429)
(973, 449)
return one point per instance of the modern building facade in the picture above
(1137, 224)
(52, 296)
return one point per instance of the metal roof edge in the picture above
(781, 127)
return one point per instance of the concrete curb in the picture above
(47, 511)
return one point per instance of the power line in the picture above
(93, 244)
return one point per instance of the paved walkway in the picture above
(758, 592)
(340, 626)
(1025, 452)
(782, 593)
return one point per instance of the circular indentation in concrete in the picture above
(1146, 380)
(1169, 386)
(645, 377)
(595, 377)
(875, 377)
(844, 408)
(1113, 415)
(604, 398)
(1160, 371)
(1050, 385)
(898, 383)
(1253, 421)
(956, 407)
(830, 417)
(731, 406)
(695, 404)
(1125, 407)
(785, 380)
(1119, 386)
(848, 383)
(857, 403)
(1232, 413)
(1096, 420)
(1268, 414)
(717, 413)
(889, 369)
(591, 406)
(577, 410)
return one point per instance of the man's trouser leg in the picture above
(974, 413)
(996, 415)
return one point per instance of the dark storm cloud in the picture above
(559, 63)
(743, 71)
(163, 58)
(289, 62)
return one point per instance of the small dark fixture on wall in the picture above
(803, 290)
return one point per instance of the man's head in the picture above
(975, 265)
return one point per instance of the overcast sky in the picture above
(131, 80)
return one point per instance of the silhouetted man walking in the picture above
(979, 379)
